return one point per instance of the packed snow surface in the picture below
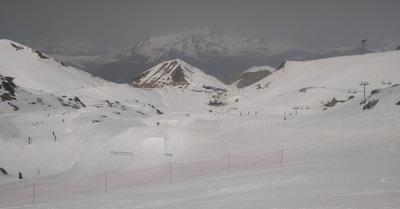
(340, 156)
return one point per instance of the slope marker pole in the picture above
(228, 163)
(33, 193)
(394, 126)
(170, 172)
(105, 181)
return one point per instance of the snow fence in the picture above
(108, 180)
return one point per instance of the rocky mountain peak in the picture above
(175, 73)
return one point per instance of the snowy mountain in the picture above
(205, 44)
(35, 82)
(222, 53)
(177, 73)
(310, 85)
(218, 53)
(304, 136)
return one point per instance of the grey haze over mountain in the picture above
(220, 53)
(313, 24)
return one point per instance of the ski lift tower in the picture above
(364, 84)
(296, 108)
(363, 43)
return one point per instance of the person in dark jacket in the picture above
(19, 175)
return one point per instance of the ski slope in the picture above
(341, 157)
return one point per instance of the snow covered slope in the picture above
(310, 85)
(66, 111)
(39, 71)
(52, 102)
(344, 157)
(250, 76)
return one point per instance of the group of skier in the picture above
(30, 139)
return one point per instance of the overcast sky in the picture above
(309, 23)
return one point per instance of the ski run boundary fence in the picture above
(109, 180)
